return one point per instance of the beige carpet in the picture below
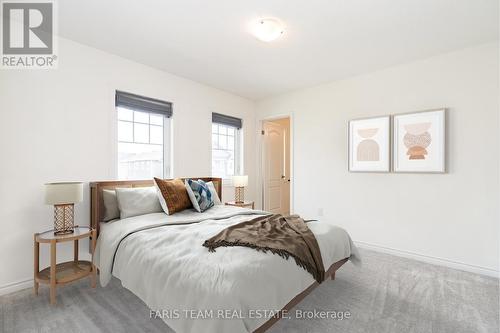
(386, 294)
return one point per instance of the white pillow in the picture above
(137, 201)
(111, 211)
(161, 199)
(211, 187)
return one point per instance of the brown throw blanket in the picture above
(283, 235)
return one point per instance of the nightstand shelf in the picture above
(67, 272)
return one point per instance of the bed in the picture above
(160, 258)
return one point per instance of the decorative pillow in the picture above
(137, 201)
(215, 196)
(173, 195)
(200, 194)
(111, 211)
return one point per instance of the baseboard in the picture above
(429, 259)
(16, 286)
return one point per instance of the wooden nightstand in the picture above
(241, 204)
(62, 273)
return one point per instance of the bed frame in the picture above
(97, 213)
(297, 299)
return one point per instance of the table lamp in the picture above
(63, 196)
(239, 183)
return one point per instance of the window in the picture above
(226, 146)
(143, 141)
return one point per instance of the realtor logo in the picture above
(28, 35)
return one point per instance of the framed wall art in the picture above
(369, 144)
(419, 141)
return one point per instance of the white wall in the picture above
(60, 125)
(453, 216)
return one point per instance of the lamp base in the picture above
(239, 194)
(64, 232)
(63, 219)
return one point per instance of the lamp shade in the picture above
(240, 181)
(63, 193)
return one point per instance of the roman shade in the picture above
(141, 103)
(226, 120)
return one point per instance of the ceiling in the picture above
(325, 40)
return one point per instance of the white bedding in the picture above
(170, 270)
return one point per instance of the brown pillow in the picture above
(175, 195)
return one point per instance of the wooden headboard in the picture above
(97, 205)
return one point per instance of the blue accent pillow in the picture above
(200, 194)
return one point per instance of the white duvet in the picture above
(198, 291)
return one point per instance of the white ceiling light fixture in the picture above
(268, 29)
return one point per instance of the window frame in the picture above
(166, 144)
(238, 152)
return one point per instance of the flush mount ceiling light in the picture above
(268, 29)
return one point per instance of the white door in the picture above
(276, 198)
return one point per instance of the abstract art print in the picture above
(369, 145)
(419, 141)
